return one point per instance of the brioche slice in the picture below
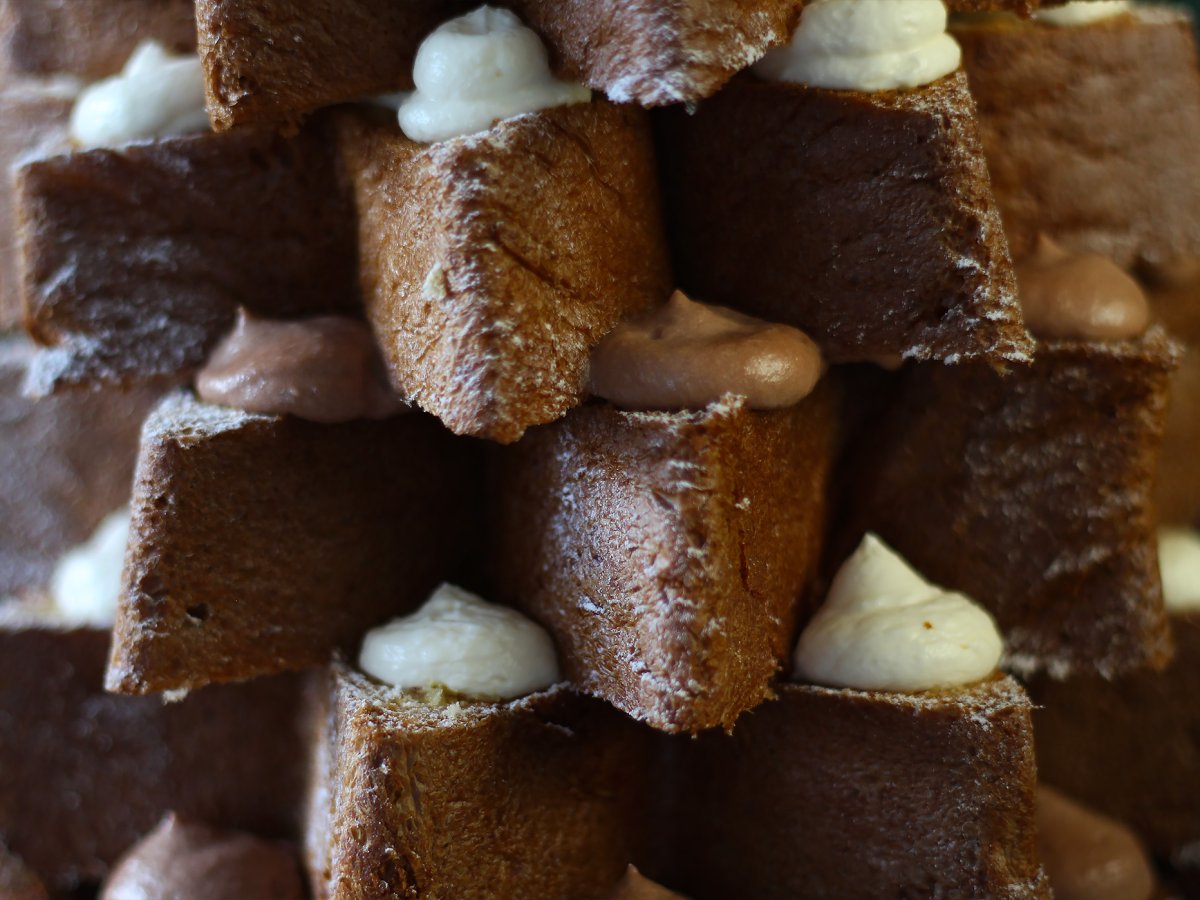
(845, 793)
(1030, 491)
(865, 219)
(207, 223)
(669, 554)
(87, 38)
(544, 796)
(277, 60)
(1091, 132)
(84, 774)
(259, 543)
(491, 264)
(65, 463)
(35, 112)
(1127, 746)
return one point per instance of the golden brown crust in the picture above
(801, 205)
(207, 223)
(88, 38)
(259, 543)
(65, 463)
(35, 114)
(838, 793)
(83, 774)
(1091, 133)
(1127, 746)
(271, 61)
(1030, 492)
(492, 264)
(669, 553)
(541, 797)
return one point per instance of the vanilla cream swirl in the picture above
(884, 627)
(866, 45)
(459, 641)
(1179, 562)
(86, 583)
(156, 95)
(477, 69)
(1082, 12)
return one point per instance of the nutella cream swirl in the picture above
(1079, 296)
(180, 861)
(325, 369)
(686, 355)
(1089, 856)
(636, 886)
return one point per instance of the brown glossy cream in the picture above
(1089, 856)
(1079, 296)
(685, 355)
(179, 861)
(636, 886)
(325, 369)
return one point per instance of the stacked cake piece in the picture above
(599, 449)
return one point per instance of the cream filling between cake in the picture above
(477, 69)
(866, 45)
(156, 95)
(86, 583)
(884, 627)
(461, 642)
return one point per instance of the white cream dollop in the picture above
(156, 95)
(87, 580)
(476, 69)
(460, 641)
(1179, 563)
(884, 627)
(866, 45)
(1082, 12)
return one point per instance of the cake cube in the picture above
(65, 463)
(491, 264)
(206, 223)
(843, 793)
(259, 543)
(35, 113)
(1090, 132)
(87, 38)
(865, 219)
(83, 774)
(1127, 746)
(544, 796)
(1030, 490)
(669, 554)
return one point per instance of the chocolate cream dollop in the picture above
(1079, 296)
(180, 861)
(636, 886)
(324, 369)
(1089, 856)
(685, 355)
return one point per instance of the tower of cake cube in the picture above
(599, 449)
